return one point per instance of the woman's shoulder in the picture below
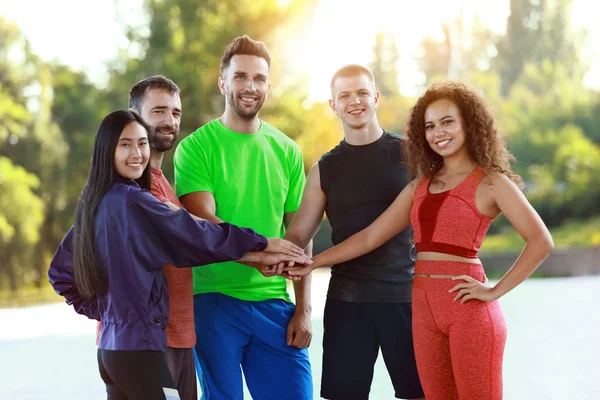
(496, 177)
(126, 193)
(498, 182)
(415, 185)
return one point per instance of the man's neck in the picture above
(365, 135)
(240, 125)
(156, 159)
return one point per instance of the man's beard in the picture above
(162, 142)
(240, 111)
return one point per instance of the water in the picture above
(48, 352)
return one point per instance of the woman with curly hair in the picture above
(463, 181)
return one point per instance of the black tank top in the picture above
(360, 183)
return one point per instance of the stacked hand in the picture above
(291, 269)
(278, 252)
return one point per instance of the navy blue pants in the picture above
(353, 335)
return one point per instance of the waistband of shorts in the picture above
(434, 267)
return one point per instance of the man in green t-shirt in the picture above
(241, 170)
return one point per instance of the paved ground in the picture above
(48, 352)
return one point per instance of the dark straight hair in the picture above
(89, 278)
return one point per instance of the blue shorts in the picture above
(232, 332)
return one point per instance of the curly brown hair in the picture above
(484, 143)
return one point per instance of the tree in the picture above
(384, 65)
(185, 41)
(465, 48)
(538, 32)
(523, 29)
(21, 215)
(21, 210)
(557, 158)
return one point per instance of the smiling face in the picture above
(162, 111)
(354, 100)
(132, 152)
(444, 128)
(245, 84)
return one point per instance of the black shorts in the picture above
(183, 370)
(353, 334)
(136, 375)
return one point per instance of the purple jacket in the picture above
(135, 236)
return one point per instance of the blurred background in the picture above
(65, 64)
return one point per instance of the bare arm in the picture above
(308, 218)
(393, 221)
(302, 287)
(527, 222)
(299, 331)
(202, 205)
(532, 229)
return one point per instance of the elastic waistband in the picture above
(431, 267)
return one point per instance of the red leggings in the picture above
(458, 347)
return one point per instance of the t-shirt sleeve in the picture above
(157, 190)
(164, 236)
(192, 172)
(297, 180)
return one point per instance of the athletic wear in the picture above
(360, 183)
(251, 333)
(449, 222)
(180, 328)
(135, 236)
(353, 334)
(136, 375)
(368, 301)
(255, 179)
(459, 347)
(241, 316)
(182, 365)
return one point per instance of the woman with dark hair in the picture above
(109, 265)
(464, 181)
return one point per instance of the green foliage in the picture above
(13, 117)
(29, 296)
(571, 234)
(552, 139)
(185, 42)
(384, 65)
(21, 215)
(49, 113)
(322, 132)
(466, 48)
(537, 31)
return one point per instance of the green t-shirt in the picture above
(256, 179)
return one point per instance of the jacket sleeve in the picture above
(60, 275)
(175, 237)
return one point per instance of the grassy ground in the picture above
(28, 296)
(573, 234)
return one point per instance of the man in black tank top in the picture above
(369, 298)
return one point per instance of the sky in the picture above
(85, 34)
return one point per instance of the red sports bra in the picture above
(449, 222)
